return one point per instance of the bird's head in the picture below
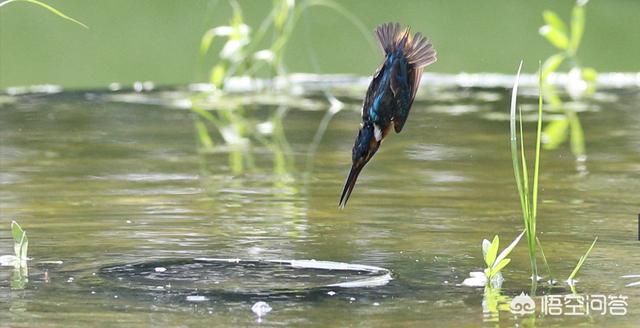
(366, 145)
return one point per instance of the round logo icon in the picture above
(522, 304)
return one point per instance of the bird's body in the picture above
(390, 94)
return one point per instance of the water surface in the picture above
(97, 182)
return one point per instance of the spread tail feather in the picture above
(418, 49)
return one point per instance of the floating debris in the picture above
(261, 308)
(476, 279)
(632, 284)
(197, 298)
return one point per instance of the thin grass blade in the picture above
(505, 252)
(536, 170)
(49, 8)
(581, 261)
(514, 139)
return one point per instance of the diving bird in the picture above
(390, 94)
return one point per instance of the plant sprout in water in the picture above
(495, 262)
(528, 193)
(571, 280)
(19, 259)
(20, 242)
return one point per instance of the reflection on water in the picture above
(98, 183)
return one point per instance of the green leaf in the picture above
(536, 163)
(203, 134)
(24, 247)
(578, 147)
(552, 19)
(556, 133)
(237, 19)
(589, 74)
(519, 176)
(497, 268)
(485, 247)
(581, 261)
(554, 36)
(281, 13)
(205, 42)
(20, 241)
(505, 252)
(217, 75)
(577, 26)
(490, 258)
(551, 65)
(16, 232)
(49, 8)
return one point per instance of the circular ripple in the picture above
(244, 276)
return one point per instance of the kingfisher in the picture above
(390, 93)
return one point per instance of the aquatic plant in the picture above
(20, 242)
(49, 8)
(240, 55)
(492, 276)
(20, 275)
(528, 193)
(495, 263)
(580, 81)
(571, 280)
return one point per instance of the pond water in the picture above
(105, 179)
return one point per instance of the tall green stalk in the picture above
(528, 197)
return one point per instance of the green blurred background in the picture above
(158, 40)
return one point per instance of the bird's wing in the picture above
(404, 96)
(419, 53)
(371, 92)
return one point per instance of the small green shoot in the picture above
(495, 263)
(49, 8)
(20, 241)
(571, 280)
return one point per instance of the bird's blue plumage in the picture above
(390, 94)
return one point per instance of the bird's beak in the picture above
(350, 183)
